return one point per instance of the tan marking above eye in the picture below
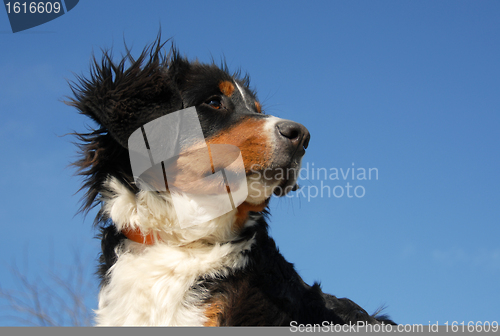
(258, 107)
(227, 88)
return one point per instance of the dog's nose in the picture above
(295, 133)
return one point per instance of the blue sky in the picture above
(410, 88)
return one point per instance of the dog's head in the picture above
(121, 99)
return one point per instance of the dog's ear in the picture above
(123, 96)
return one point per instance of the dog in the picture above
(226, 271)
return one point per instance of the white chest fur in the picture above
(153, 285)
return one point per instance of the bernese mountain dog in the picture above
(227, 270)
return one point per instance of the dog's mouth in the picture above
(288, 179)
(288, 182)
(285, 187)
(280, 179)
(283, 172)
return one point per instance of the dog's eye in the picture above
(214, 102)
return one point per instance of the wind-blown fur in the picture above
(227, 271)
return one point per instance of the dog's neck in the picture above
(242, 215)
(149, 218)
